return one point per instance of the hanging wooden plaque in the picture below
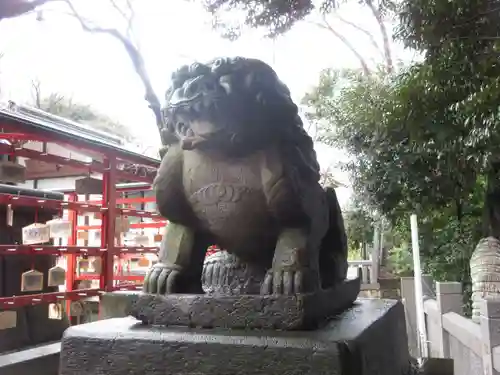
(122, 225)
(57, 276)
(11, 172)
(142, 240)
(83, 265)
(88, 185)
(55, 311)
(8, 319)
(96, 264)
(83, 235)
(158, 237)
(31, 281)
(143, 262)
(36, 233)
(10, 216)
(76, 308)
(60, 228)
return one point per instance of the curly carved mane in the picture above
(248, 102)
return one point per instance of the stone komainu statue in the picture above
(485, 273)
(240, 171)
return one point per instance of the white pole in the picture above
(419, 298)
(375, 253)
(381, 243)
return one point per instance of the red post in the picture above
(108, 224)
(71, 258)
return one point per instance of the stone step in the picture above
(40, 360)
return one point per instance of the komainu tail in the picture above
(333, 253)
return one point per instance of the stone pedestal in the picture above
(368, 339)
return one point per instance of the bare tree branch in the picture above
(373, 41)
(326, 26)
(327, 178)
(119, 9)
(385, 36)
(134, 55)
(129, 18)
(37, 92)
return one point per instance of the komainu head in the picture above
(236, 106)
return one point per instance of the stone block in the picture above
(117, 304)
(294, 312)
(437, 366)
(368, 339)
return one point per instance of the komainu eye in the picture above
(180, 128)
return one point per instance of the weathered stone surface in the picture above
(368, 339)
(245, 311)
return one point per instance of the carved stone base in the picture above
(307, 311)
(368, 339)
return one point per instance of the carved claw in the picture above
(162, 279)
(289, 282)
(282, 282)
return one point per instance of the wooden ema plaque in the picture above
(76, 308)
(9, 220)
(57, 276)
(11, 172)
(142, 240)
(59, 228)
(96, 264)
(143, 262)
(83, 265)
(31, 281)
(36, 233)
(8, 319)
(122, 225)
(56, 311)
(83, 235)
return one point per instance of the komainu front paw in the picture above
(286, 281)
(294, 269)
(163, 279)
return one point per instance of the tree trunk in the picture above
(385, 36)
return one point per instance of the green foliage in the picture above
(359, 227)
(421, 140)
(353, 253)
(84, 114)
(276, 17)
(400, 260)
(351, 111)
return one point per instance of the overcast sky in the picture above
(94, 69)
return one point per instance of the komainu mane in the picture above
(240, 171)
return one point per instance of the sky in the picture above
(94, 69)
